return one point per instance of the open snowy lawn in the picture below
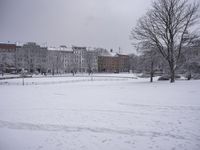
(121, 114)
(66, 78)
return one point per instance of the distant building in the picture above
(113, 63)
(80, 58)
(67, 57)
(22, 59)
(7, 57)
(36, 59)
(92, 57)
(54, 63)
(60, 60)
(92, 61)
(31, 57)
(108, 64)
(102, 52)
(124, 62)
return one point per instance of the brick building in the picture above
(108, 64)
(7, 57)
(36, 59)
(113, 64)
(124, 63)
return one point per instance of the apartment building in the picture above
(80, 59)
(7, 57)
(113, 63)
(31, 57)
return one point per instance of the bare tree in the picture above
(90, 57)
(134, 63)
(190, 59)
(167, 27)
(151, 62)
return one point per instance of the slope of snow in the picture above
(120, 114)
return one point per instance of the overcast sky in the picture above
(95, 23)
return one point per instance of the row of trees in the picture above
(167, 28)
(151, 63)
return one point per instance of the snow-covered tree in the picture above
(167, 26)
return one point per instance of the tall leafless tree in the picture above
(167, 27)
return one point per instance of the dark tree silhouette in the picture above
(167, 27)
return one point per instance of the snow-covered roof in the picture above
(62, 48)
(112, 54)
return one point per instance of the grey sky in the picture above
(96, 23)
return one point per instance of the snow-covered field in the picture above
(99, 113)
(65, 78)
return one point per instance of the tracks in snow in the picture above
(163, 107)
(64, 128)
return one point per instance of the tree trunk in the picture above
(172, 76)
(151, 78)
(172, 73)
(151, 72)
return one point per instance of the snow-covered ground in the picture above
(65, 78)
(103, 113)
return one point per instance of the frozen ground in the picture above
(67, 78)
(100, 114)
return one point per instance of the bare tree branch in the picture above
(168, 27)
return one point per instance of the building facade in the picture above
(124, 63)
(68, 61)
(36, 59)
(80, 59)
(60, 60)
(7, 57)
(67, 57)
(113, 63)
(109, 64)
(32, 58)
(54, 63)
